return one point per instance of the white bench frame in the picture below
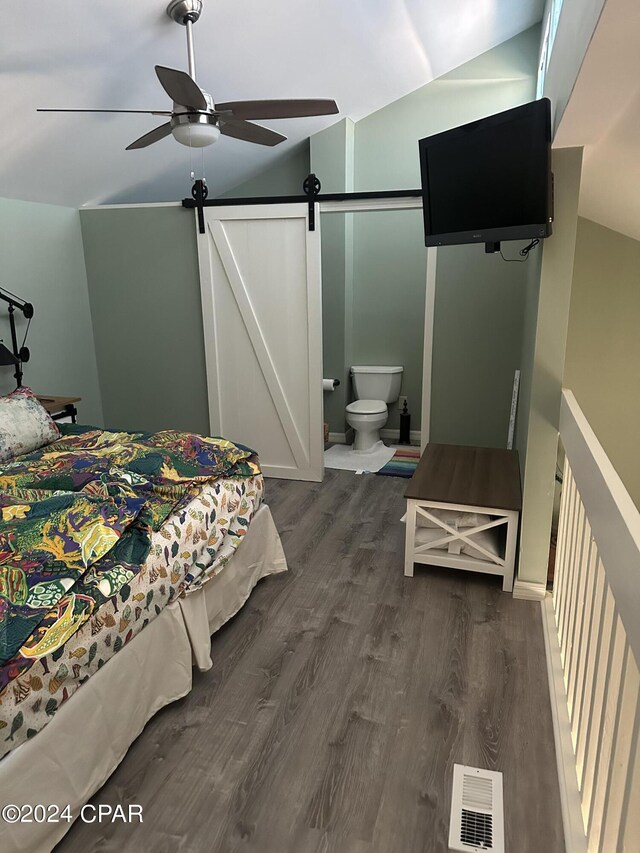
(432, 553)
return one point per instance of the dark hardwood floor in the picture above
(341, 696)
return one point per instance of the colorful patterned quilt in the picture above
(77, 517)
(193, 545)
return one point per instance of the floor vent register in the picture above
(477, 813)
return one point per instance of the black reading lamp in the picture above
(17, 355)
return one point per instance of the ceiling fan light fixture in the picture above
(195, 120)
(196, 135)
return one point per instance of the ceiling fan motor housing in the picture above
(182, 11)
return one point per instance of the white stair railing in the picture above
(593, 646)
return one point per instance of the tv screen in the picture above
(489, 180)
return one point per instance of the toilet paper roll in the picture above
(330, 384)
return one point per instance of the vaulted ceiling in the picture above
(363, 53)
(603, 115)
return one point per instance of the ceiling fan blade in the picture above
(146, 112)
(181, 88)
(153, 136)
(250, 132)
(280, 108)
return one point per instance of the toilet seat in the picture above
(367, 407)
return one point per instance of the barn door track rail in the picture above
(311, 194)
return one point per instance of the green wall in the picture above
(42, 262)
(529, 327)
(479, 298)
(603, 345)
(546, 335)
(142, 267)
(284, 177)
(477, 343)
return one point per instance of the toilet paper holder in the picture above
(330, 384)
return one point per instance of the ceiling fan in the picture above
(196, 120)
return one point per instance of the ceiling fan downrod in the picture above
(186, 12)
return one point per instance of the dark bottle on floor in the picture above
(405, 425)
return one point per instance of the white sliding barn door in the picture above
(262, 314)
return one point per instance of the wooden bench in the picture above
(450, 484)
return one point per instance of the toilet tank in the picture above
(376, 383)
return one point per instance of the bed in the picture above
(72, 709)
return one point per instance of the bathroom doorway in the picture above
(374, 291)
(369, 310)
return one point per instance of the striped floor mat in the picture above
(402, 464)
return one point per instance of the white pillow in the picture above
(487, 539)
(452, 518)
(25, 425)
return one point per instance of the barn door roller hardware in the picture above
(311, 189)
(199, 191)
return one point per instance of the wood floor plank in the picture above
(506, 718)
(429, 724)
(339, 699)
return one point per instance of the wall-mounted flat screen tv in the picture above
(489, 180)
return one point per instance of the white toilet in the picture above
(374, 388)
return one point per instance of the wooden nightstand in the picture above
(60, 407)
(479, 487)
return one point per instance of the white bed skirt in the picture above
(261, 554)
(58, 766)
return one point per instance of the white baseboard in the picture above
(574, 835)
(529, 590)
(392, 435)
